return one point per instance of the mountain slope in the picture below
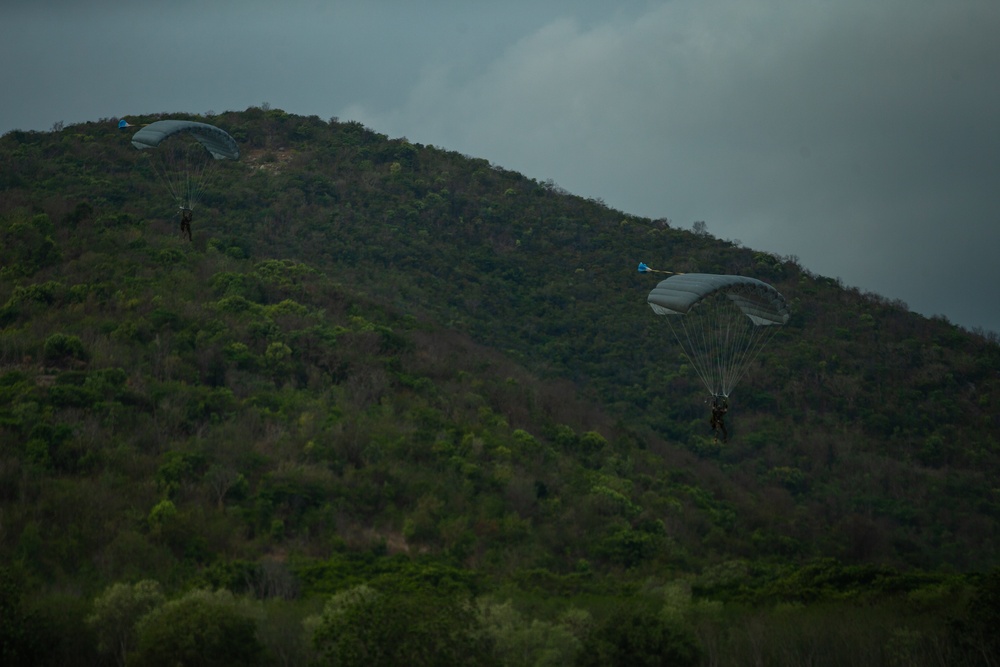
(371, 340)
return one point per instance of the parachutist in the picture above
(181, 164)
(186, 217)
(719, 408)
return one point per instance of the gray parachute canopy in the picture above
(721, 322)
(678, 294)
(215, 140)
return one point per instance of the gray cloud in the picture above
(861, 137)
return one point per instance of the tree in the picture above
(520, 641)
(976, 631)
(60, 349)
(201, 629)
(22, 635)
(368, 628)
(638, 636)
(116, 613)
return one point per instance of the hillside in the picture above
(381, 359)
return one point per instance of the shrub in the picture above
(61, 348)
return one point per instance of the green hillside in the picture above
(388, 385)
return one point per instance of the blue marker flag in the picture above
(123, 123)
(642, 267)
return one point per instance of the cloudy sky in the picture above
(862, 137)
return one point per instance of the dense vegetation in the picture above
(396, 405)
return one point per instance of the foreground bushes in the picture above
(433, 618)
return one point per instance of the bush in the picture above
(203, 628)
(61, 348)
(637, 636)
(365, 627)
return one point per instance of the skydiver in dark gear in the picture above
(719, 408)
(186, 216)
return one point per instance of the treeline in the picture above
(426, 613)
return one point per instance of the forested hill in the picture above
(377, 352)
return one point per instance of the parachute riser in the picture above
(720, 340)
(182, 153)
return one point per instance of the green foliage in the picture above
(163, 514)
(533, 642)
(639, 636)
(362, 626)
(201, 628)
(116, 613)
(22, 635)
(975, 629)
(396, 573)
(628, 548)
(61, 349)
(176, 469)
(27, 245)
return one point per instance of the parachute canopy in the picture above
(184, 154)
(676, 295)
(721, 322)
(215, 140)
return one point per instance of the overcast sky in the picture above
(862, 137)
